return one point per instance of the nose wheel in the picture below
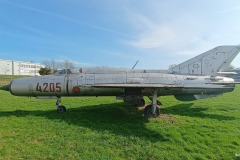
(60, 109)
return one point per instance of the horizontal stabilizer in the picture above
(227, 73)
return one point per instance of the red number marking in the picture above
(58, 87)
(38, 88)
(45, 84)
(52, 89)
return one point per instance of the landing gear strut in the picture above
(60, 109)
(158, 102)
(152, 111)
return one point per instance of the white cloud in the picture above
(227, 10)
(151, 35)
(181, 32)
(181, 29)
(156, 37)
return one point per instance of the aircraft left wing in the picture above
(126, 85)
(135, 85)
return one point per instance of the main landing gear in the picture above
(158, 102)
(141, 104)
(152, 111)
(60, 109)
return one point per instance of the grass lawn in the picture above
(103, 128)
(6, 79)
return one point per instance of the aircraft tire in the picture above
(148, 112)
(140, 104)
(61, 109)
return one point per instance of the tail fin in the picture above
(209, 63)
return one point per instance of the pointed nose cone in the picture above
(5, 88)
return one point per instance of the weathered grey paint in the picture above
(193, 79)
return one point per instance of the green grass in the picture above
(6, 79)
(10, 76)
(103, 128)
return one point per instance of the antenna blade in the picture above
(135, 64)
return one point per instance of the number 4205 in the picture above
(49, 87)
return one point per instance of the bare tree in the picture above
(5, 69)
(51, 63)
(171, 66)
(238, 68)
(54, 64)
(231, 67)
(67, 64)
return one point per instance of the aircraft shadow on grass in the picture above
(186, 110)
(119, 119)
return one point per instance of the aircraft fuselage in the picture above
(90, 85)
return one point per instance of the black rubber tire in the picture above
(61, 109)
(148, 112)
(141, 104)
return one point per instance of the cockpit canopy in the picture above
(64, 71)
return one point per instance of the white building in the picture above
(8, 67)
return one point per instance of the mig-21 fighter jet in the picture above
(203, 76)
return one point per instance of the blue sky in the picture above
(116, 33)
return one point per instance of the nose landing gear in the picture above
(60, 109)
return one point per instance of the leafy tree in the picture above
(44, 71)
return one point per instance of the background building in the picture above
(8, 67)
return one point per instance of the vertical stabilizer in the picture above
(209, 63)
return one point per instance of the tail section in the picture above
(209, 63)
